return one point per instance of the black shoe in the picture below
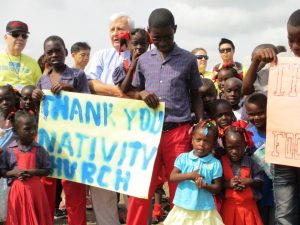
(60, 214)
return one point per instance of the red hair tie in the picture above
(227, 66)
(31, 112)
(247, 134)
(149, 38)
(10, 115)
(192, 128)
(222, 132)
(123, 37)
(240, 76)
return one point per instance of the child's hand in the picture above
(20, 174)
(56, 88)
(239, 187)
(135, 57)
(194, 175)
(37, 95)
(266, 55)
(25, 175)
(246, 181)
(200, 183)
(150, 98)
(234, 182)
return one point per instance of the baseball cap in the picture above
(17, 26)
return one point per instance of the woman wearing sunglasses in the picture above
(16, 68)
(202, 59)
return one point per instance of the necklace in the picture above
(16, 65)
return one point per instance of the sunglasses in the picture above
(16, 35)
(202, 57)
(222, 50)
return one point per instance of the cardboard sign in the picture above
(283, 113)
(101, 141)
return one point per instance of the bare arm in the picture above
(213, 188)
(177, 176)
(197, 104)
(249, 182)
(126, 83)
(99, 88)
(266, 55)
(149, 98)
(250, 78)
(39, 172)
(24, 174)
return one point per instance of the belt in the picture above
(170, 125)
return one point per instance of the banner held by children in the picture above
(283, 128)
(101, 141)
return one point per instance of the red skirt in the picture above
(28, 203)
(245, 213)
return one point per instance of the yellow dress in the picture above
(181, 216)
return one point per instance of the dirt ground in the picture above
(91, 217)
(122, 210)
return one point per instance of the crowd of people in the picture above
(214, 125)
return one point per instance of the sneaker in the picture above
(60, 214)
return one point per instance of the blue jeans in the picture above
(286, 194)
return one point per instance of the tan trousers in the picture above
(105, 206)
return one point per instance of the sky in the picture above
(199, 23)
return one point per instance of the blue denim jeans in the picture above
(286, 194)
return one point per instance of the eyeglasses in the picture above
(222, 50)
(16, 35)
(205, 57)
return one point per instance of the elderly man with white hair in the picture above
(99, 72)
(100, 69)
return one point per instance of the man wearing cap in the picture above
(16, 68)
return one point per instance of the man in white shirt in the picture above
(99, 72)
(103, 63)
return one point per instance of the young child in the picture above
(61, 77)
(209, 95)
(7, 106)
(256, 107)
(43, 64)
(222, 114)
(27, 102)
(241, 176)
(225, 72)
(139, 43)
(199, 175)
(168, 74)
(233, 94)
(26, 162)
(286, 179)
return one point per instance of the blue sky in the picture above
(200, 23)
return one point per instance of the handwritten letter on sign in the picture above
(105, 142)
(283, 113)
